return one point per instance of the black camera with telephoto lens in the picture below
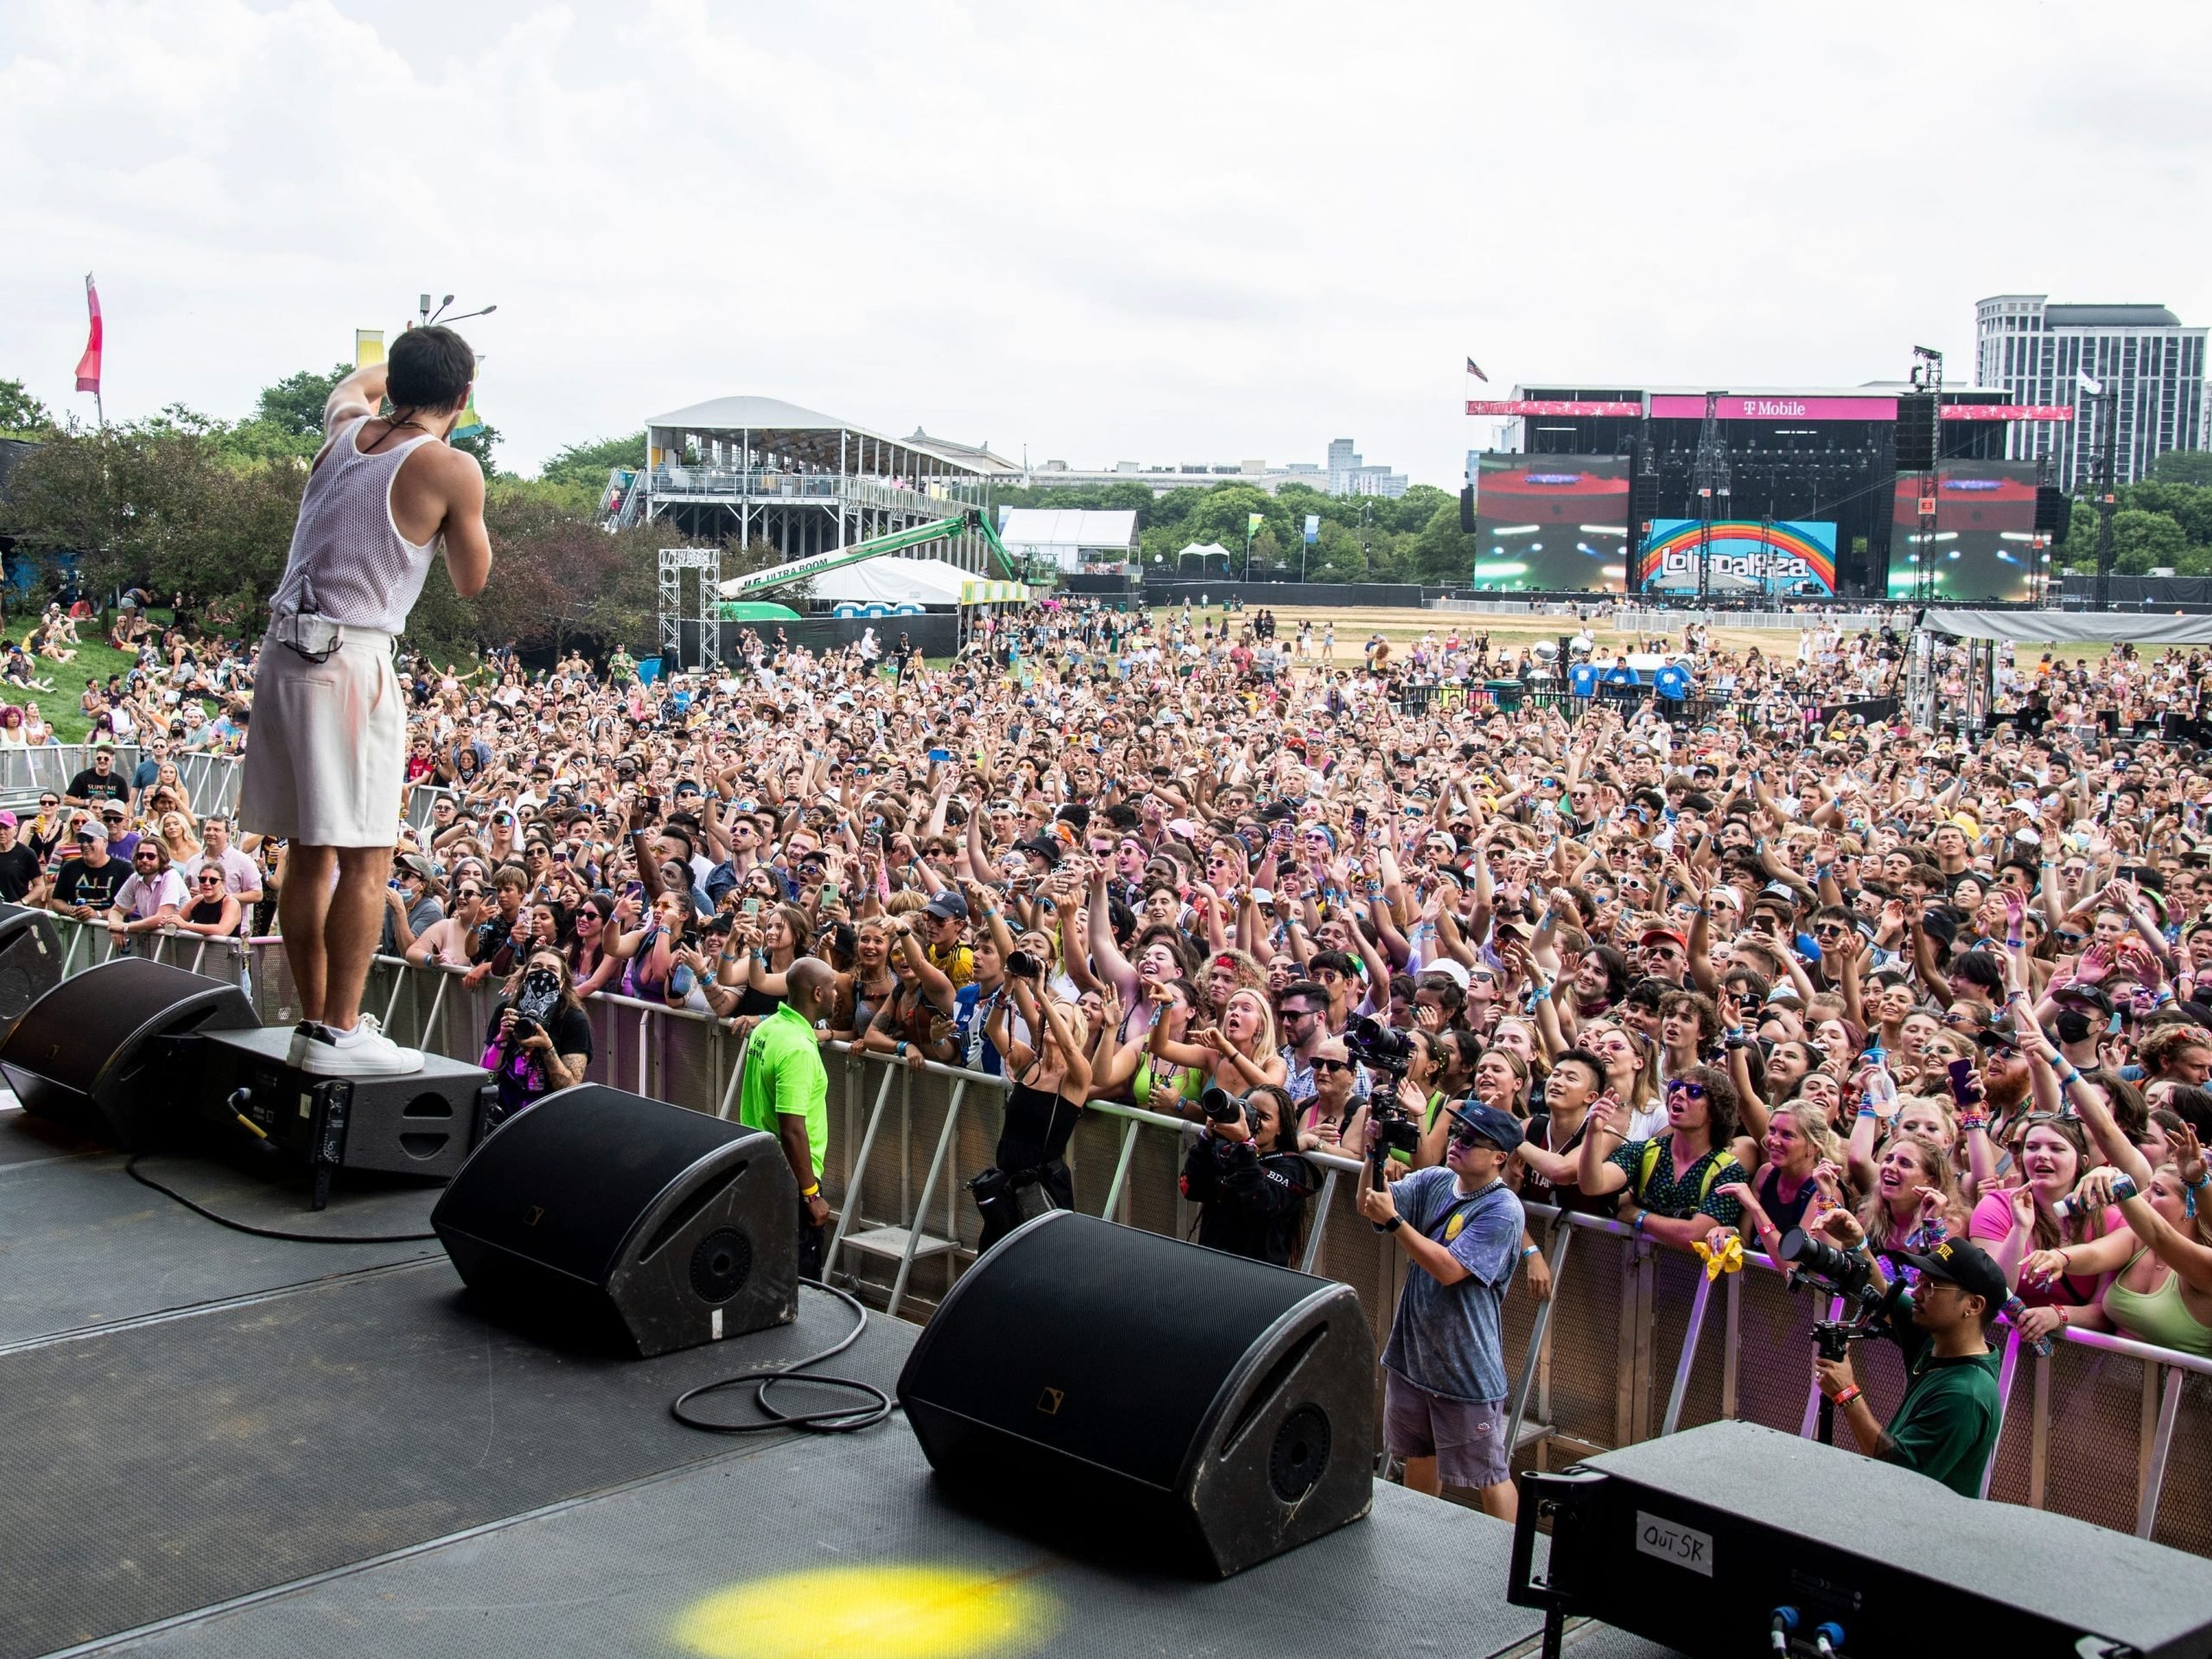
(1220, 1106)
(1377, 1047)
(1019, 964)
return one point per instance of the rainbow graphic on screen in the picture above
(1781, 556)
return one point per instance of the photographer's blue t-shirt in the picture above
(1449, 1339)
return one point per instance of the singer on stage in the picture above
(325, 767)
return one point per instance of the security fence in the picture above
(1635, 1341)
(211, 781)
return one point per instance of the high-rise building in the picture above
(2038, 352)
(1349, 475)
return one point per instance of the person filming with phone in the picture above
(1444, 1400)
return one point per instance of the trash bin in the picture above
(1506, 694)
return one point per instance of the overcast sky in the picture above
(1127, 232)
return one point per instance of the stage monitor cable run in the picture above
(132, 1170)
(761, 1378)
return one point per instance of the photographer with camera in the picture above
(1444, 1395)
(1947, 1426)
(1245, 1170)
(540, 1037)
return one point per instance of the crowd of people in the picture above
(1931, 996)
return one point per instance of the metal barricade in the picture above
(1635, 1341)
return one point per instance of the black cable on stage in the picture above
(761, 1378)
(132, 1170)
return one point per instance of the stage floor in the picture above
(222, 1444)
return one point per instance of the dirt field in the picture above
(1356, 625)
(1395, 625)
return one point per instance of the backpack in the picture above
(1726, 1160)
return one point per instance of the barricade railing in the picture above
(211, 781)
(1634, 1341)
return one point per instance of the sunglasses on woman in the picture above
(1331, 1065)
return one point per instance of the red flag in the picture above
(88, 366)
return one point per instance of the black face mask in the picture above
(2074, 1025)
(541, 992)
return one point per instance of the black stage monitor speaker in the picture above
(1696, 1540)
(2054, 513)
(609, 1214)
(1202, 1409)
(30, 961)
(424, 1123)
(1916, 424)
(87, 1054)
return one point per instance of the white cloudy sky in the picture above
(1128, 231)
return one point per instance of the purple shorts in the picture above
(1466, 1437)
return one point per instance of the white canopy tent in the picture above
(2069, 627)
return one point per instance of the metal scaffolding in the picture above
(706, 614)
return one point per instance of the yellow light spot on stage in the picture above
(881, 1613)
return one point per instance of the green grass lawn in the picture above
(94, 660)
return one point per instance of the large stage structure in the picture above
(759, 469)
(1784, 490)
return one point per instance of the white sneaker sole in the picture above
(330, 1060)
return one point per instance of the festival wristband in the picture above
(808, 1191)
(1845, 1396)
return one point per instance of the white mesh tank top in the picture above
(348, 561)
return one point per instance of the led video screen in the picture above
(1747, 556)
(1983, 546)
(1551, 523)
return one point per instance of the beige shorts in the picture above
(325, 758)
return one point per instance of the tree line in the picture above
(187, 506)
(1414, 537)
(2164, 522)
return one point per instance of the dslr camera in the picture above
(1378, 1047)
(1220, 1106)
(539, 996)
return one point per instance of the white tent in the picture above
(1068, 538)
(1204, 550)
(2070, 628)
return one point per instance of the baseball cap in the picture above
(948, 904)
(1955, 1262)
(1655, 935)
(2094, 996)
(1501, 1129)
(1044, 847)
(91, 829)
(8, 819)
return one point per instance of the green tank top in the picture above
(2158, 1317)
(1175, 1086)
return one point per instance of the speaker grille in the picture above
(1916, 421)
(722, 1264)
(18, 990)
(1300, 1453)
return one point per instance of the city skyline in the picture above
(1092, 267)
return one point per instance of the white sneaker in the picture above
(364, 1052)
